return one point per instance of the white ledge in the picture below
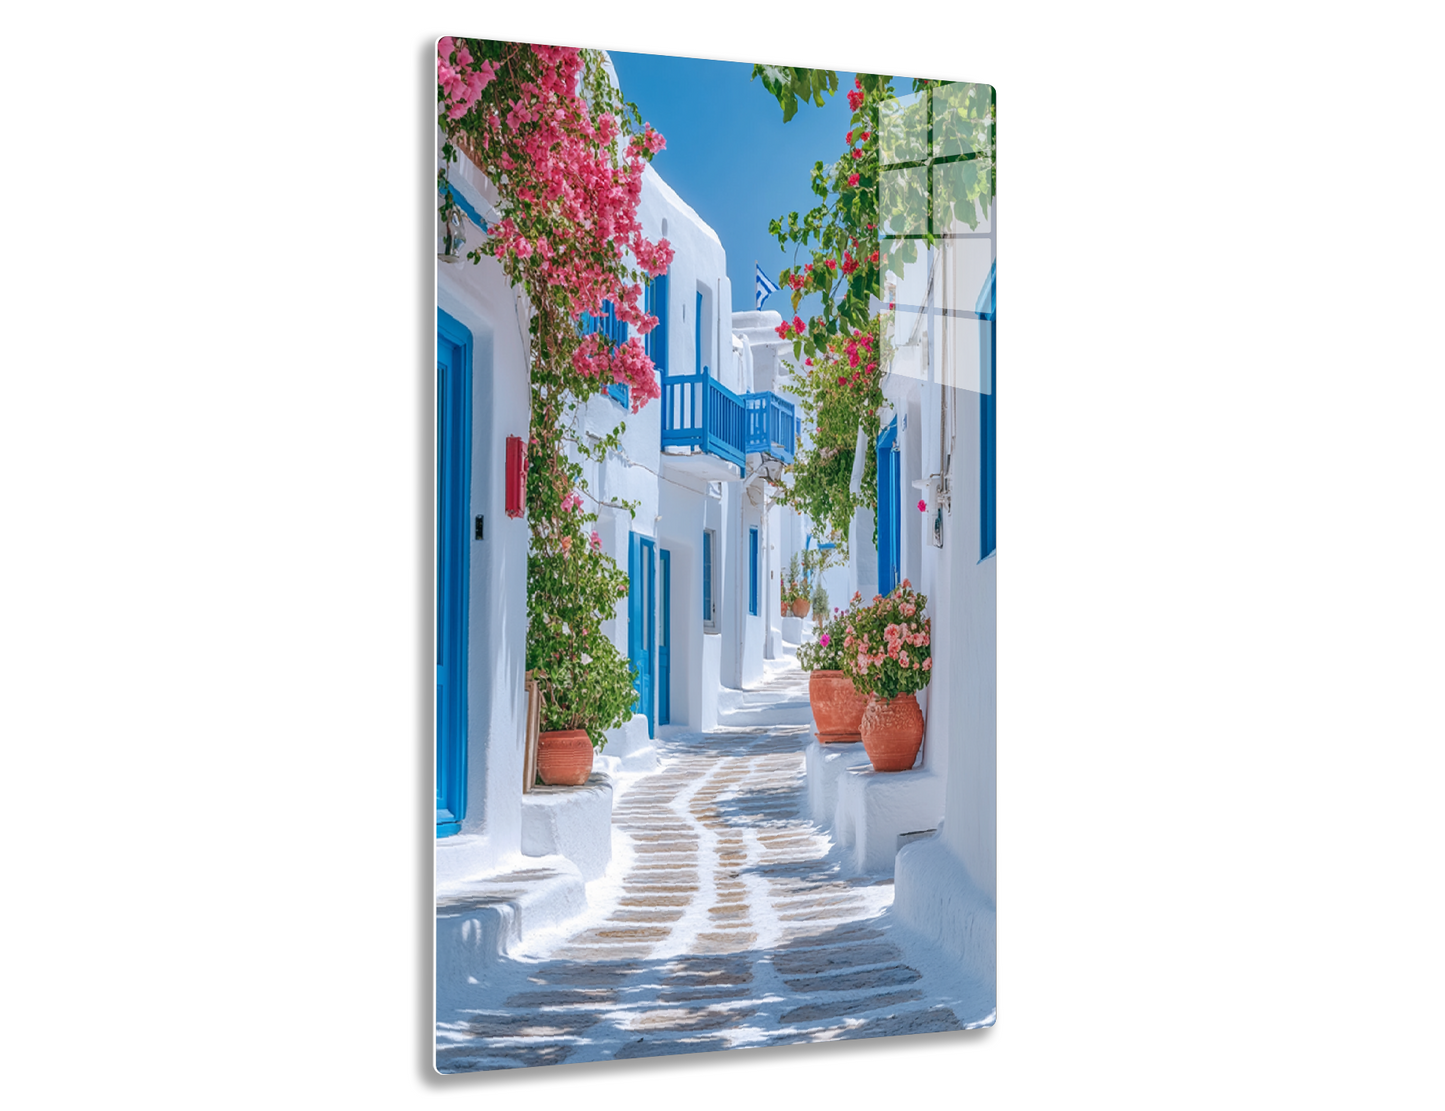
(572, 822)
(875, 810)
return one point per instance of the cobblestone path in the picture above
(731, 925)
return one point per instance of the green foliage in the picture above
(913, 166)
(841, 391)
(826, 653)
(572, 587)
(793, 586)
(819, 601)
(791, 84)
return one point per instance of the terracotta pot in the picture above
(564, 757)
(800, 607)
(892, 732)
(837, 707)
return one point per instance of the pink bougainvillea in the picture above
(570, 182)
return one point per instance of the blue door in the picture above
(753, 572)
(453, 486)
(641, 618)
(890, 510)
(664, 640)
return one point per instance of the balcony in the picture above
(772, 428)
(704, 421)
(710, 430)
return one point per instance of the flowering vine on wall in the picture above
(566, 157)
(878, 203)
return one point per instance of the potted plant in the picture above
(820, 604)
(585, 683)
(888, 656)
(795, 590)
(837, 707)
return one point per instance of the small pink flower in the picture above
(922, 506)
(928, 664)
(853, 179)
(825, 640)
(596, 541)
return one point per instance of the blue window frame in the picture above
(697, 335)
(890, 510)
(453, 485)
(707, 616)
(641, 621)
(656, 339)
(616, 331)
(987, 434)
(753, 571)
(664, 637)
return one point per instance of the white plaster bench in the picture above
(573, 822)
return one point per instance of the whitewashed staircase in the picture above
(780, 699)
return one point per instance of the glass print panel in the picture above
(722, 845)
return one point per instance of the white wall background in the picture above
(1219, 626)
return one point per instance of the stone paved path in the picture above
(731, 925)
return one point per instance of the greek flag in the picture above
(765, 287)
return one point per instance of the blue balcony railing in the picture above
(699, 412)
(772, 428)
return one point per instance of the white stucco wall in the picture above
(946, 887)
(479, 296)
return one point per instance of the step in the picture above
(574, 822)
(478, 920)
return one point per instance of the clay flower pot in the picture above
(892, 732)
(800, 607)
(837, 707)
(564, 757)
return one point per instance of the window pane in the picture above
(903, 271)
(962, 122)
(903, 129)
(960, 191)
(903, 202)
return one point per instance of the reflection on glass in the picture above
(903, 201)
(903, 129)
(957, 188)
(962, 120)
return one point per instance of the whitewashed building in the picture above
(703, 550)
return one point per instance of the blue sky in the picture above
(730, 156)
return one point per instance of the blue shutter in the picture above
(634, 609)
(616, 332)
(753, 571)
(890, 532)
(657, 338)
(706, 576)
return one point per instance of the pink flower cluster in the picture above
(889, 634)
(569, 194)
(622, 363)
(461, 86)
(797, 327)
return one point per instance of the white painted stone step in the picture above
(480, 919)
